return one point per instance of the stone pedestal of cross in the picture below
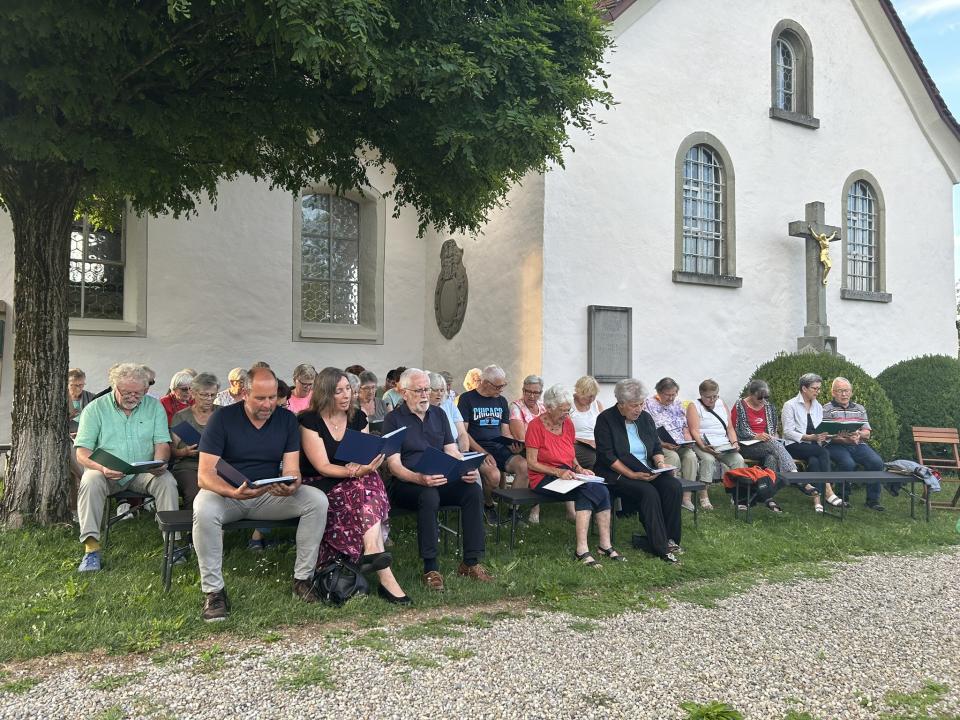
(816, 333)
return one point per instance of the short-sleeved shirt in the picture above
(297, 405)
(519, 411)
(670, 417)
(393, 397)
(757, 419)
(433, 431)
(186, 415)
(103, 424)
(484, 416)
(256, 452)
(453, 415)
(313, 421)
(554, 450)
(853, 411)
(225, 399)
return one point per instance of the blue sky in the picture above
(934, 27)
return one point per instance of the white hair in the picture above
(129, 371)
(492, 372)
(437, 381)
(406, 377)
(557, 395)
(630, 390)
(184, 377)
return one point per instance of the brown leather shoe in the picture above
(303, 589)
(476, 572)
(433, 580)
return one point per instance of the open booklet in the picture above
(437, 462)
(835, 427)
(236, 478)
(565, 486)
(666, 437)
(187, 433)
(127, 468)
(718, 444)
(361, 448)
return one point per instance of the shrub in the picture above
(925, 392)
(784, 371)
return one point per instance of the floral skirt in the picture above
(355, 506)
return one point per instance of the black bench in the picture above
(172, 522)
(867, 477)
(519, 497)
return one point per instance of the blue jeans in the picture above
(846, 458)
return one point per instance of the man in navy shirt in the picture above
(427, 426)
(261, 441)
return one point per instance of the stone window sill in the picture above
(324, 332)
(881, 297)
(796, 118)
(730, 281)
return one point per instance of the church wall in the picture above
(504, 308)
(219, 296)
(609, 217)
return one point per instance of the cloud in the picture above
(916, 10)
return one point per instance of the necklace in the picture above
(335, 425)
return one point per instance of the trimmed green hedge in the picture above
(925, 392)
(783, 375)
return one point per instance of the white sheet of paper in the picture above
(563, 486)
(748, 442)
(588, 478)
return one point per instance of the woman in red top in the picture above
(551, 456)
(179, 396)
(754, 419)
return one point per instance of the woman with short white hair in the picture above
(628, 449)
(178, 398)
(551, 456)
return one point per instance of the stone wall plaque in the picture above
(450, 298)
(609, 342)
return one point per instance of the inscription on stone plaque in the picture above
(610, 342)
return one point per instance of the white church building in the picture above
(731, 117)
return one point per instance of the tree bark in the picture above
(41, 199)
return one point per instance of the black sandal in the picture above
(809, 490)
(609, 552)
(774, 507)
(586, 559)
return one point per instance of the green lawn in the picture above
(49, 608)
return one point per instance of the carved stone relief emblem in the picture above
(450, 298)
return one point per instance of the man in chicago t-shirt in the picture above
(487, 416)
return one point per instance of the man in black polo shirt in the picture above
(427, 425)
(260, 441)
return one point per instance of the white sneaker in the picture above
(148, 506)
(123, 511)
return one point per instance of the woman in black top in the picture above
(358, 500)
(627, 443)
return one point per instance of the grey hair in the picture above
(181, 378)
(129, 371)
(238, 373)
(492, 372)
(808, 379)
(841, 379)
(407, 375)
(630, 390)
(557, 395)
(304, 370)
(368, 376)
(533, 380)
(755, 387)
(354, 382)
(204, 380)
(437, 381)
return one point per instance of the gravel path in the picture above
(832, 648)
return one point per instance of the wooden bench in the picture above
(943, 437)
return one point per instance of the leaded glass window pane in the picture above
(862, 237)
(330, 259)
(96, 274)
(786, 67)
(703, 212)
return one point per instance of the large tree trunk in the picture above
(41, 200)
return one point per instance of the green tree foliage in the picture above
(925, 392)
(158, 101)
(783, 375)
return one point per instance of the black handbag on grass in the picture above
(338, 581)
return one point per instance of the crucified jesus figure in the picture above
(823, 240)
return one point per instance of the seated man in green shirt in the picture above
(132, 426)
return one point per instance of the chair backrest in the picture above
(937, 436)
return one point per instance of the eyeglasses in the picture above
(205, 396)
(130, 393)
(709, 397)
(183, 388)
(305, 384)
(532, 392)
(420, 391)
(815, 388)
(497, 387)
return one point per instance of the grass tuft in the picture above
(314, 672)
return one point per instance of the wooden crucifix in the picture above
(819, 235)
